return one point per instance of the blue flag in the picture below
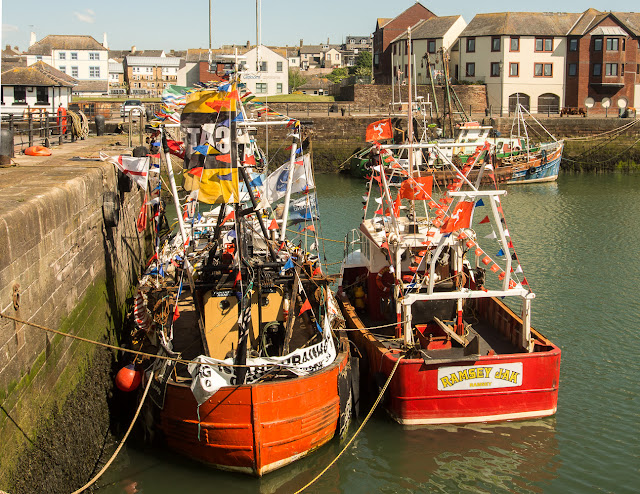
(479, 203)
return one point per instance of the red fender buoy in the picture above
(128, 378)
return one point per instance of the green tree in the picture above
(296, 79)
(363, 64)
(338, 74)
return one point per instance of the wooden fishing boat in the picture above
(263, 375)
(415, 285)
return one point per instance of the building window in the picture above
(329, 56)
(573, 69)
(261, 87)
(74, 55)
(544, 44)
(63, 56)
(394, 49)
(42, 95)
(38, 58)
(471, 45)
(263, 67)
(62, 68)
(514, 69)
(19, 95)
(431, 46)
(94, 72)
(471, 69)
(495, 44)
(573, 44)
(515, 43)
(597, 44)
(613, 44)
(278, 66)
(495, 69)
(611, 69)
(279, 88)
(543, 70)
(94, 55)
(74, 71)
(597, 69)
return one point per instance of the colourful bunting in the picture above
(485, 219)
(305, 307)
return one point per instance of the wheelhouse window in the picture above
(495, 44)
(514, 44)
(471, 45)
(514, 69)
(471, 69)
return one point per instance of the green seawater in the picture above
(579, 244)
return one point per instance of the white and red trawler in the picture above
(417, 285)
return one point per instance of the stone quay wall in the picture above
(61, 267)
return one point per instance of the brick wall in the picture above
(72, 273)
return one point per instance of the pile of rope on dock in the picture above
(79, 124)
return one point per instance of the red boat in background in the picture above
(418, 284)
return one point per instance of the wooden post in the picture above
(30, 128)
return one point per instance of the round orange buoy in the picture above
(128, 378)
(38, 151)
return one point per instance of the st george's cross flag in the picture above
(137, 169)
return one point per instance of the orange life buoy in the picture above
(37, 151)
(385, 280)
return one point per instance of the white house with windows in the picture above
(431, 38)
(78, 56)
(34, 88)
(265, 72)
(519, 56)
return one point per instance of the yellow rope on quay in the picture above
(115, 454)
(364, 422)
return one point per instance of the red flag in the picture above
(418, 188)
(238, 278)
(379, 130)
(224, 158)
(317, 271)
(460, 218)
(396, 206)
(310, 228)
(525, 282)
(273, 225)
(305, 307)
(495, 268)
(510, 244)
(485, 220)
(228, 217)
(176, 312)
(176, 148)
(196, 172)
(249, 160)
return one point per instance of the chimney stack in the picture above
(248, 45)
(133, 49)
(32, 40)
(104, 41)
(327, 40)
(300, 42)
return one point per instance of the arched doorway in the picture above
(516, 98)
(548, 103)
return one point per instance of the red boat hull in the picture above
(255, 428)
(419, 393)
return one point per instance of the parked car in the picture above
(128, 104)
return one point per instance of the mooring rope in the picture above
(364, 422)
(115, 454)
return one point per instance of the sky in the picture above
(170, 24)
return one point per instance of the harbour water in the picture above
(579, 243)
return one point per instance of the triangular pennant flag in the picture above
(491, 235)
(485, 219)
(525, 282)
(506, 233)
(519, 269)
(305, 307)
(273, 225)
(479, 203)
(238, 278)
(500, 253)
(311, 228)
(196, 172)
(228, 217)
(288, 264)
(176, 313)
(510, 245)
(317, 271)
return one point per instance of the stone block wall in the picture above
(70, 272)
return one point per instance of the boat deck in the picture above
(186, 333)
